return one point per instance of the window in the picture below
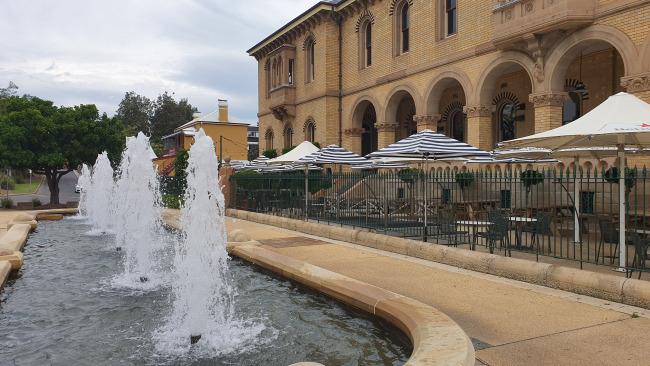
(572, 108)
(457, 125)
(507, 113)
(269, 139)
(405, 25)
(587, 202)
(288, 137)
(290, 71)
(368, 43)
(506, 199)
(310, 56)
(451, 17)
(310, 131)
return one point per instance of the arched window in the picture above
(267, 75)
(405, 26)
(457, 125)
(268, 137)
(369, 135)
(506, 117)
(310, 63)
(288, 137)
(310, 130)
(451, 17)
(367, 46)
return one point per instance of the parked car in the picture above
(77, 188)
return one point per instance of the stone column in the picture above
(385, 134)
(479, 126)
(427, 122)
(353, 139)
(548, 110)
(638, 85)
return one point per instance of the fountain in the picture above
(203, 310)
(100, 195)
(84, 183)
(137, 210)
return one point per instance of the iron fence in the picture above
(566, 214)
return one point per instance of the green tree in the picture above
(135, 112)
(34, 134)
(253, 152)
(180, 170)
(10, 90)
(169, 114)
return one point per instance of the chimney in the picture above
(223, 110)
(196, 115)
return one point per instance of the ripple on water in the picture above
(67, 307)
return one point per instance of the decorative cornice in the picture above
(477, 111)
(386, 127)
(548, 99)
(636, 83)
(395, 3)
(354, 132)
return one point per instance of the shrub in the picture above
(611, 176)
(6, 203)
(7, 182)
(248, 179)
(36, 202)
(464, 179)
(271, 153)
(409, 175)
(171, 201)
(531, 177)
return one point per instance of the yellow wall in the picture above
(235, 142)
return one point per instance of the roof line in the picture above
(321, 5)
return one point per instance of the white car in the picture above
(77, 188)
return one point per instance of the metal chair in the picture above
(609, 235)
(497, 232)
(640, 254)
(445, 225)
(541, 227)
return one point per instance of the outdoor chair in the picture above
(640, 254)
(445, 225)
(541, 227)
(608, 235)
(497, 232)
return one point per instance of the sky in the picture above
(92, 52)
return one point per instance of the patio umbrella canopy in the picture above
(621, 120)
(428, 144)
(305, 148)
(334, 154)
(259, 163)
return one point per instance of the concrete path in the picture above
(510, 322)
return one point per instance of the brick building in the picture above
(365, 73)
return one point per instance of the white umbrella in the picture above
(620, 121)
(305, 148)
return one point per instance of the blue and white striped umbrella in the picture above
(333, 154)
(380, 165)
(512, 160)
(285, 168)
(429, 144)
(256, 164)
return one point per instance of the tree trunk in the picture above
(53, 185)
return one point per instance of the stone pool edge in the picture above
(627, 291)
(437, 340)
(18, 230)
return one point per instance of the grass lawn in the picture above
(26, 188)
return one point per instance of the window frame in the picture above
(450, 11)
(405, 27)
(310, 60)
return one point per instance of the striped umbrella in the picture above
(431, 145)
(333, 154)
(380, 165)
(259, 163)
(284, 168)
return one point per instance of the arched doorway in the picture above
(369, 135)
(401, 110)
(446, 101)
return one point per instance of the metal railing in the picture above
(530, 211)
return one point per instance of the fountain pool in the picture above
(62, 308)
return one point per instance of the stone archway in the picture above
(401, 108)
(362, 138)
(444, 103)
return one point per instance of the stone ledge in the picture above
(14, 258)
(608, 287)
(5, 269)
(16, 237)
(437, 340)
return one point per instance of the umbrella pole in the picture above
(306, 191)
(576, 202)
(622, 214)
(426, 168)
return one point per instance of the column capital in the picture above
(549, 99)
(473, 111)
(636, 83)
(386, 127)
(354, 132)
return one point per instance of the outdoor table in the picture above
(474, 225)
(519, 222)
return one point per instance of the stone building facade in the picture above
(365, 73)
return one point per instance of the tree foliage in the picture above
(169, 114)
(50, 140)
(135, 112)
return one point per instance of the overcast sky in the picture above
(83, 51)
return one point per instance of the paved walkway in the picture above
(510, 322)
(66, 191)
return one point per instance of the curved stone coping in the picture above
(16, 237)
(437, 340)
(604, 286)
(5, 269)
